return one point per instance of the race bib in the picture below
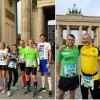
(41, 54)
(12, 64)
(30, 63)
(87, 81)
(22, 59)
(1, 56)
(70, 70)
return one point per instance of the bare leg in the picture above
(72, 94)
(61, 94)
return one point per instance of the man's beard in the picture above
(71, 45)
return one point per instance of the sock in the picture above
(30, 80)
(35, 85)
(24, 80)
(1, 81)
(43, 81)
(28, 85)
(5, 83)
(50, 83)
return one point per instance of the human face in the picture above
(86, 39)
(42, 38)
(22, 43)
(2, 46)
(30, 43)
(14, 48)
(70, 41)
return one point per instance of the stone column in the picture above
(40, 23)
(89, 30)
(26, 19)
(59, 37)
(96, 38)
(2, 10)
(80, 34)
(68, 30)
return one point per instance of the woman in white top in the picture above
(3, 65)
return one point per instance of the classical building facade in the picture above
(35, 15)
(8, 21)
(78, 22)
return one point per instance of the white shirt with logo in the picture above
(3, 53)
(43, 48)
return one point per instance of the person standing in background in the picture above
(45, 63)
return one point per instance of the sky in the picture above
(19, 16)
(89, 8)
(52, 22)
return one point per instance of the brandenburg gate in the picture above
(35, 15)
(76, 21)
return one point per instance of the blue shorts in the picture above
(43, 67)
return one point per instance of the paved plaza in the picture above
(78, 92)
(19, 94)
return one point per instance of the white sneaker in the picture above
(3, 91)
(14, 88)
(8, 93)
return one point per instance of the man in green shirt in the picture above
(67, 68)
(32, 62)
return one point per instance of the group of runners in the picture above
(68, 73)
(30, 58)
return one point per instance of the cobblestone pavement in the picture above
(19, 93)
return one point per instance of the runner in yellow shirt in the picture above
(89, 68)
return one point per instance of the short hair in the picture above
(87, 34)
(14, 45)
(71, 35)
(22, 40)
(42, 35)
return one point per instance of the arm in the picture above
(58, 65)
(98, 57)
(49, 56)
(58, 68)
(6, 54)
(38, 60)
(38, 63)
(61, 48)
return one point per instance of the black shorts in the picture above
(22, 66)
(66, 84)
(28, 70)
(3, 67)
